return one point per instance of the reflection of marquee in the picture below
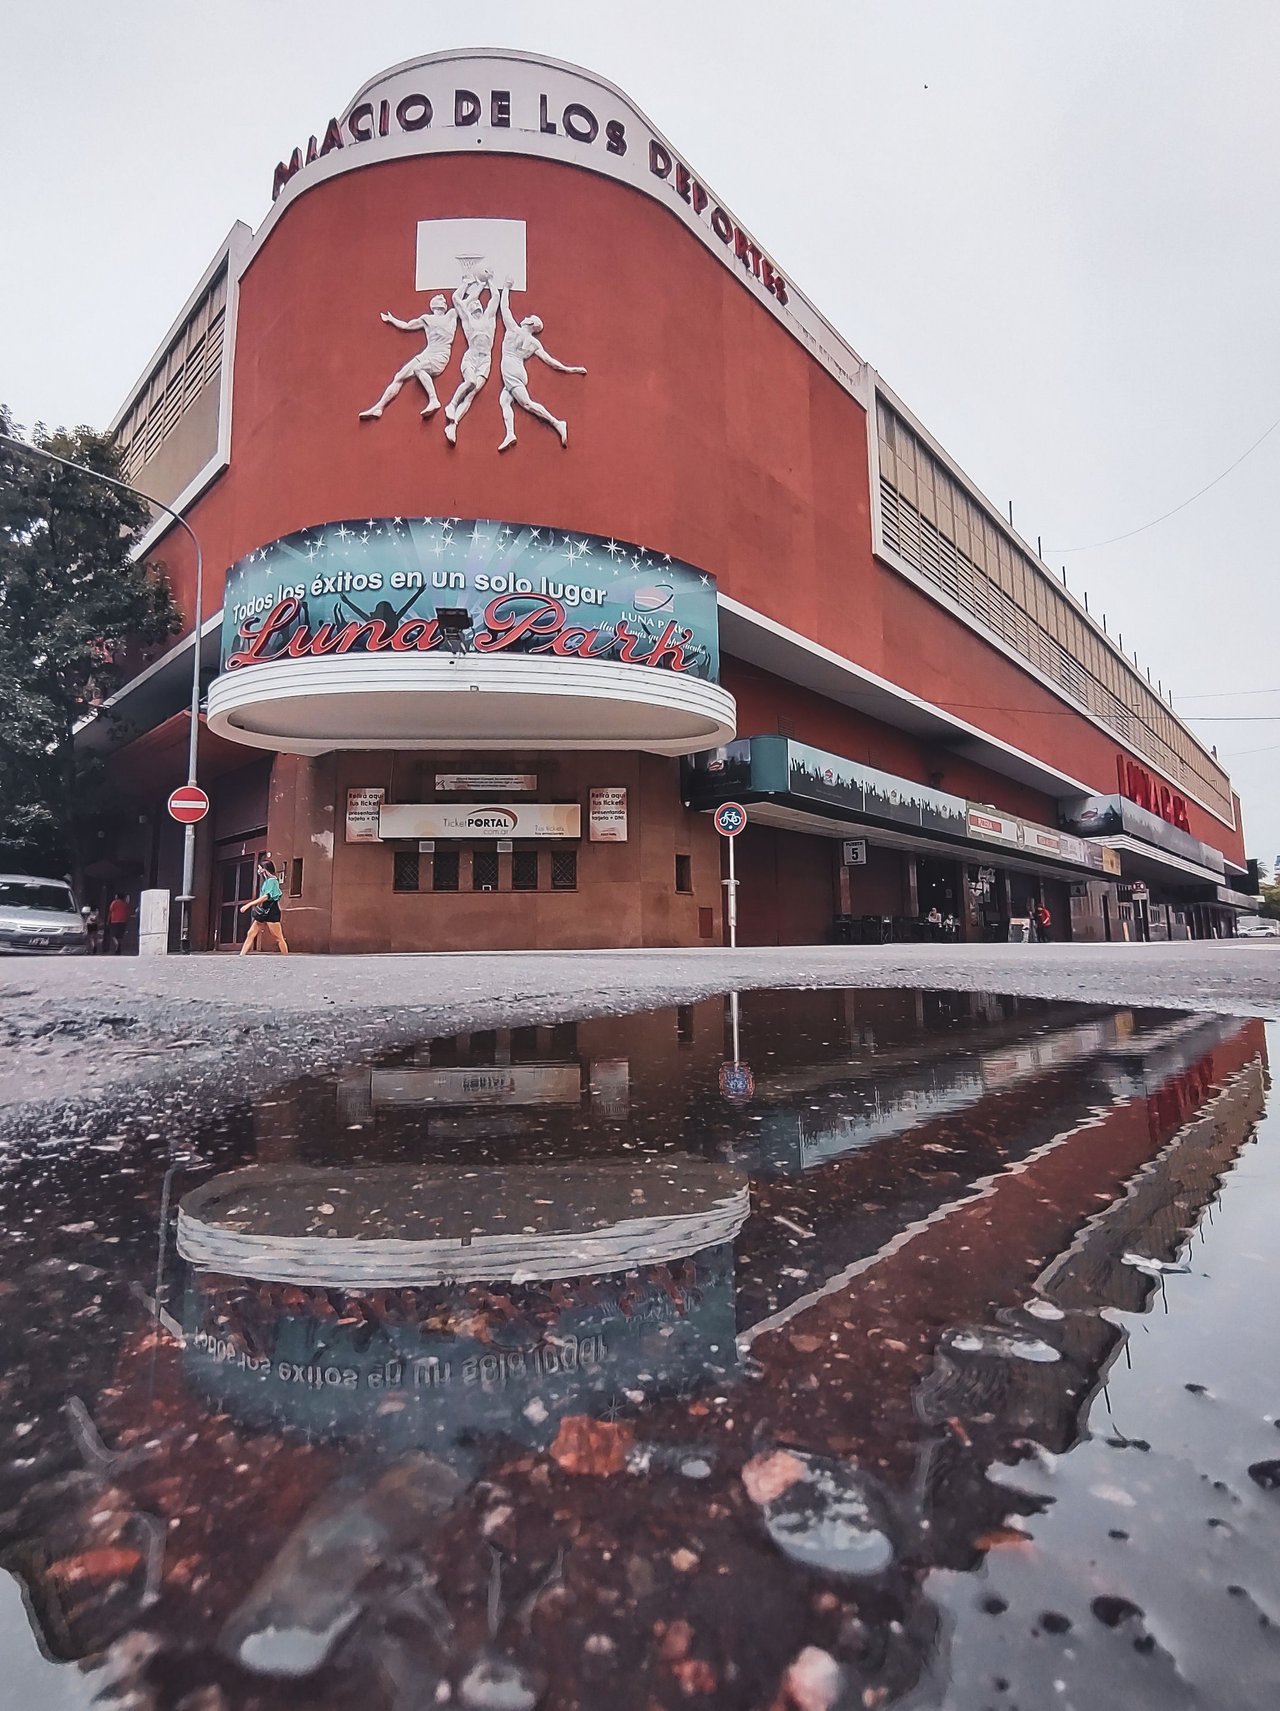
(402, 1225)
(416, 1366)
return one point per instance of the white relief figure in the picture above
(519, 343)
(439, 325)
(479, 324)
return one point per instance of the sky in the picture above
(1051, 228)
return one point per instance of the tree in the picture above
(1269, 899)
(72, 599)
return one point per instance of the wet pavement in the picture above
(801, 1350)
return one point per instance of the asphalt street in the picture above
(73, 1030)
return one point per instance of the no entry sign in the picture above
(730, 818)
(188, 804)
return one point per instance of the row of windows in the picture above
(187, 367)
(555, 1044)
(488, 870)
(485, 870)
(940, 530)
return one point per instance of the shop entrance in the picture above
(938, 895)
(235, 881)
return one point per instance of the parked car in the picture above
(40, 917)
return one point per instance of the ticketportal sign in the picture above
(480, 820)
(391, 587)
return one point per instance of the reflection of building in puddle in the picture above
(944, 1169)
(833, 1071)
(877, 1101)
(1035, 1373)
(446, 1303)
(983, 1334)
(811, 1119)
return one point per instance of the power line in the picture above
(1164, 516)
(1239, 754)
(1074, 713)
(1222, 694)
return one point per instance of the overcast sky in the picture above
(1051, 227)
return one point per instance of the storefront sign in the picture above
(363, 806)
(1073, 849)
(1112, 816)
(495, 1084)
(486, 783)
(609, 1084)
(477, 820)
(1151, 793)
(447, 103)
(817, 775)
(376, 588)
(997, 828)
(1041, 840)
(607, 815)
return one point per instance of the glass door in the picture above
(235, 882)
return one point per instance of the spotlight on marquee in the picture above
(455, 625)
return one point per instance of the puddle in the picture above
(808, 1350)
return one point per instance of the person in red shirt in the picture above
(117, 922)
(1044, 920)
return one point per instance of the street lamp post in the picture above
(189, 832)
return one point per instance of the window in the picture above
(564, 870)
(684, 873)
(484, 870)
(191, 362)
(524, 870)
(444, 870)
(970, 555)
(564, 1040)
(295, 877)
(405, 864)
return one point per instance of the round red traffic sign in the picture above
(737, 1082)
(188, 804)
(730, 818)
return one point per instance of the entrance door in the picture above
(235, 882)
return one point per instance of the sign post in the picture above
(737, 1083)
(730, 818)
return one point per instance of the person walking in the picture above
(266, 910)
(117, 924)
(1044, 920)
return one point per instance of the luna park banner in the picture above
(380, 586)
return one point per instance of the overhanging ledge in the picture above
(751, 636)
(467, 701)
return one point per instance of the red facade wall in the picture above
(702, 429)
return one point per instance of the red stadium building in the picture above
(510, 578)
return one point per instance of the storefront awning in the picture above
(809, 789)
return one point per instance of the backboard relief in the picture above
(472, 267)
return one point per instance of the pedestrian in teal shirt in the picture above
(266, 910)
